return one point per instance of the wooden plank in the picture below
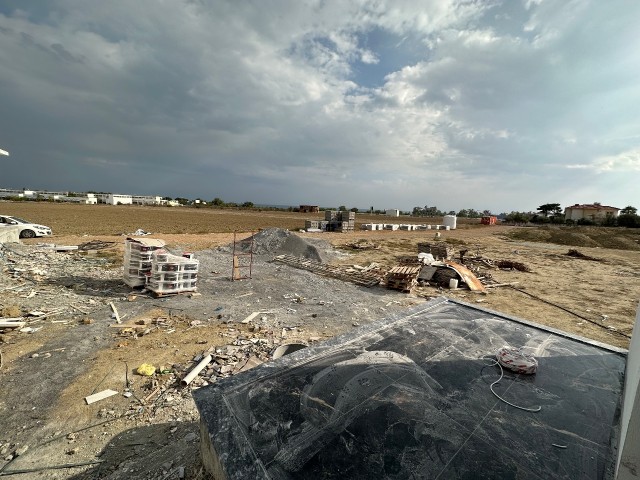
(96, 397)
(250, 317)
(115, 311)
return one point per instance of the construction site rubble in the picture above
(153, 351)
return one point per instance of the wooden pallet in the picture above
(359, 278)
(403, 277)
(170, 294)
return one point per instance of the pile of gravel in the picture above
(276, 241)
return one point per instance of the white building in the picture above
(590, 211)
(90, 199)
(118, 199)
(146, 200)
(392, 212)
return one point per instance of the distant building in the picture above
(309, 209)
(90, 199)
(394, 212)
(590, 211)
(146, 200)
(117, 199)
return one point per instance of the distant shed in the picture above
(309, 209)
(488, 220)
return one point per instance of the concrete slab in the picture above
(409, 397)
(9, 234)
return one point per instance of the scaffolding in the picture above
(242, 257)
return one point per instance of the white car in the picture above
(27, 229)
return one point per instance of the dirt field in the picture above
(72, 219)
(42, 395)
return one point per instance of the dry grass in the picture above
(595, 237)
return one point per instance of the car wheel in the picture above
(27, 234)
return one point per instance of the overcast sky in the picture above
(499, 105)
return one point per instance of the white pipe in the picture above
(4, 152)
(196, 370)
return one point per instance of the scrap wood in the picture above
(521, 267)
(361, 245)
(359, 278)
(153, 393)
(496, 285)
(79, 309)
(115, 311)
(255, 314)
(96, 245)
(569, 311)
(43, 315)
(467, 276)
(577, 254)
(403, 277)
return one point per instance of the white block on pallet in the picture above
(173, 273)
(137, 260)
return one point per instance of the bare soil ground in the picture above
(150, 435)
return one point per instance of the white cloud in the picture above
(238, 97)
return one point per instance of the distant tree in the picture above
(629, 220)
(217, 202)
(517, 217)
(182, 200)
(550, 208)
(247, 205)
(354, 209)
(629, 210)
(486, 213)
(417, 211)
(342, 208)
(609, 220)
(431, 211)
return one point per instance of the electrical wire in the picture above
(527, 364)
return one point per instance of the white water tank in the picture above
(449, 221)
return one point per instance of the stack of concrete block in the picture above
(334, 221)
(172, 273)
(340, 221)
(138, 254)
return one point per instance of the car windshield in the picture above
(19, 220)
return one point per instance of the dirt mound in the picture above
(276, 241)
(579, 237)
